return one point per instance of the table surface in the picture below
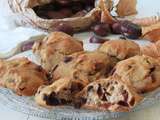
(145, 8)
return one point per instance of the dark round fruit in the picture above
(76, 7)
(131, 30)
(101, 29)
(116, 28)
(65, 28)
(64, 2)
(95, 39)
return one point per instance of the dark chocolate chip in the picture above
(80, 102)
(67, 59)
(99, 90)
(125, 95)
(99, 66)
(112, 71)
(132, 102)
(39, 68)
(89, 88)
(108, 93)
(104, 98)
(21, 89)
(152, 70)
(51, 99)
(63, 101)
(112, 88)
(123, 103)
(76, 87)
(153, 78)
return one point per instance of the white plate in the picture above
(27, 105)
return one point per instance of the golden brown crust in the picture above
(120, 49)
(152, 50)
(22, 76)
(142, 72)
(153, 35)
(85, 66)
(108, 94)
(54, 48)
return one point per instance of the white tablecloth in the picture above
(9, 35)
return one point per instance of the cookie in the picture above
(22, 76)
(110, 94)
(142, 72)
(54, 48)
(152, 50)
(61, 92)
(120, 49)
(84, 66)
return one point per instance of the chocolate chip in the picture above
(105, 105)
(39, 68)
(99, 66)
(132, 102)
(21, 89)
(152, 70)
(89, 88)
(80, 102)
(112, 71)
(108, 93)
(49, 78)
(99, 90)
(125, 95)
(63, 101)
(104, 98)
(76, 87)
(112, 88)
(123, 103)
(153, 78)
(51, 99)
(67, 59)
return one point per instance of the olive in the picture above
(116, 27)
(131, 30)
(64, 2)
(76, 7)
(66, 12)
(27, 46)
(95, 39)
(101, 29)
(63, 27)
(89, 2)
(55, 15)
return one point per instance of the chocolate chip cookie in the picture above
(85, 66)
(108, 94)
(54, 48)
(60, 92)
(142, 72)
(22, 76)
(120, 49)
